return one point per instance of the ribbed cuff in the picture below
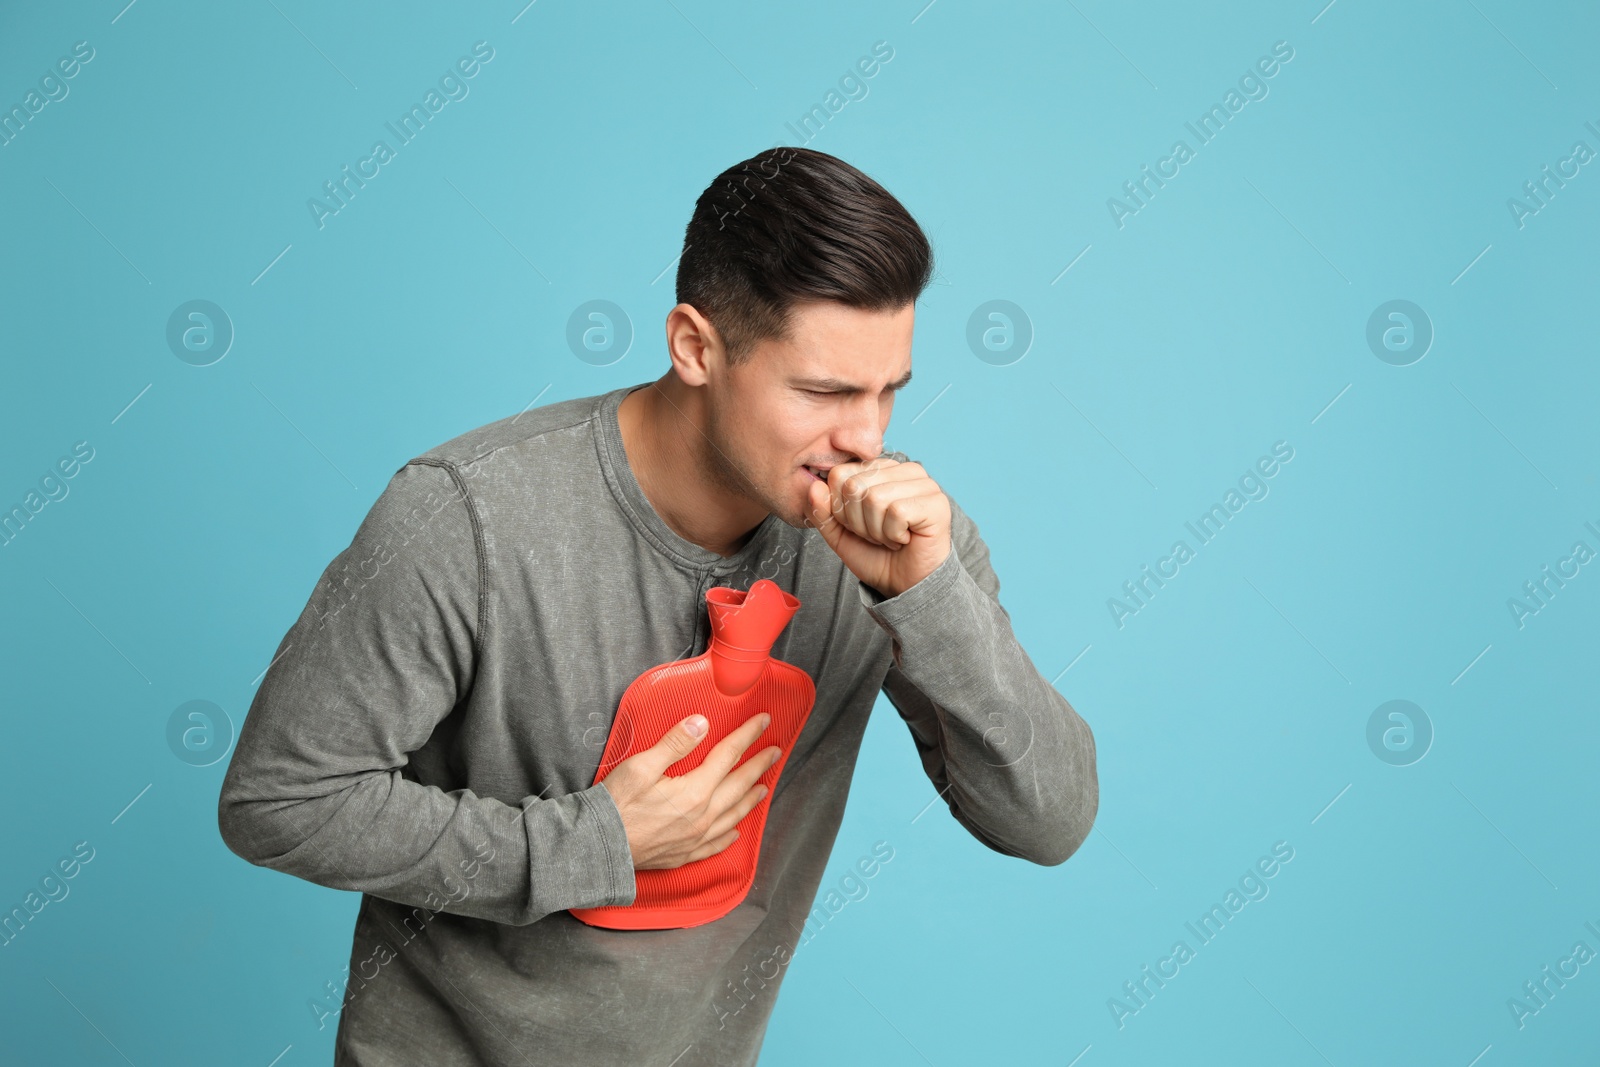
(613, 837)
(933, 588)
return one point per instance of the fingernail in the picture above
(761, 791)
(696, 725)
(766, 721)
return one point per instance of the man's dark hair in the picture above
(790, 225)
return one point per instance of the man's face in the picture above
(820, 398)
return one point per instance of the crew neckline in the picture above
(620, 477)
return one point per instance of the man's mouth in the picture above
(819, 473)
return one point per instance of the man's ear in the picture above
(693, 344)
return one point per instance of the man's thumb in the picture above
(682, 738)
(650, 764)
(820, 501)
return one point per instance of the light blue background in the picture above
(1223, 317)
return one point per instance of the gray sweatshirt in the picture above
(429, 730)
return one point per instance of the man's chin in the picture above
(794, 517)
(797, 512)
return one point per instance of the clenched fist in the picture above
(888, 521)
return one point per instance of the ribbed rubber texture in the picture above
(654, 703)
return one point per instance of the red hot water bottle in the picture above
(733, 679)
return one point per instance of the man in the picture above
(430, 729)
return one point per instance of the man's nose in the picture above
(862, 433)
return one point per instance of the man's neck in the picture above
(663, 435)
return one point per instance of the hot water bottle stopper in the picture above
(733, 679)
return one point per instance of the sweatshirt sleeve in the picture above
(385, 649)
(1013, 760)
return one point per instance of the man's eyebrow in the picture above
(839, 385)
